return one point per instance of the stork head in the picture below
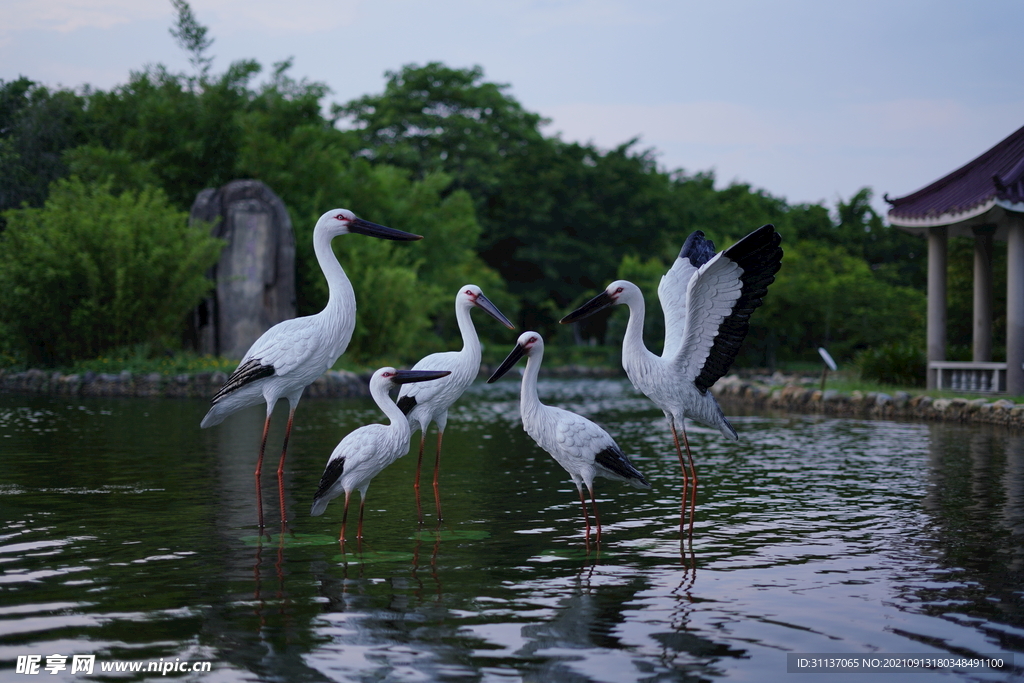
(528, 344)
(343, 222)
(390, 377)
(618, 292)
(471, 295)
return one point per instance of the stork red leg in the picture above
(416, 483)
(693, 478)
(362, 506)
(259, 467)
(597, 518)
(586, 514)
(682, 466)
(280, 465)
(344, 519)
(437, 469)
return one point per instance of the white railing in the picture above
(969, 376)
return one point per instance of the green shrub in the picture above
(896, 363)
(92, 271)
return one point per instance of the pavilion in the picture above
(983, 199)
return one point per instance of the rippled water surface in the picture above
(128, 533)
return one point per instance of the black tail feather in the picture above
(616, 462)
(249, 371)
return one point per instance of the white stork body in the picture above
(292, 354)
(581, 447)
(365, 452)
(707, 299)
(428, 402)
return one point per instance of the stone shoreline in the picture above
(332, 384)
(776, 392)
(797, 397)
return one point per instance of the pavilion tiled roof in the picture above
(994, 178)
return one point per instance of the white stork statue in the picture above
(707, 299)
(582, 448)
(424, 403)
(366, 451)
(291, 354)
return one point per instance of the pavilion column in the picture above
(1015, 307)
(937, 238)
(983, 293)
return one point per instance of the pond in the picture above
(129, 534)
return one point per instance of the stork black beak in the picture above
(506, 365)
(598, 303)
(492, 310)
(407, 376)
(362, 227)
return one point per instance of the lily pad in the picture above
(452, 534)
(573, 553)
(290, 540)
(353, 556)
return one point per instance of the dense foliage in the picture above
(90, 271)
(898, 363)
(541, 224)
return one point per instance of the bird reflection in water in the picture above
(433, 566)
(281, 595)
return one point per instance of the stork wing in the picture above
(281, 349)
(287, 345)
(720, 298)
(695, 253)
(579, 436)
(577, 439)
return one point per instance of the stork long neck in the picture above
(342, 299)
(636, 358)
(634, 337)
(529, 402)
(470, 340)
(379, 392)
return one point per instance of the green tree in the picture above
(824, 296)
(896, 256)
(36, 125)
(191, 36)
(189, 136)
(91, 271)
(432, 118)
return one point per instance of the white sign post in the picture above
(830, 364)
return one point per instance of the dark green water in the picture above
(128, 533)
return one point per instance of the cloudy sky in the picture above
(806, 99)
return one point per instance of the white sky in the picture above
(809, 100)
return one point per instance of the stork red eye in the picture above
(341, 217)
(618, 290)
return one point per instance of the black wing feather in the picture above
(760, 258)
(246, 373)
(614, 460)
(697, 249)
(335, 468)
